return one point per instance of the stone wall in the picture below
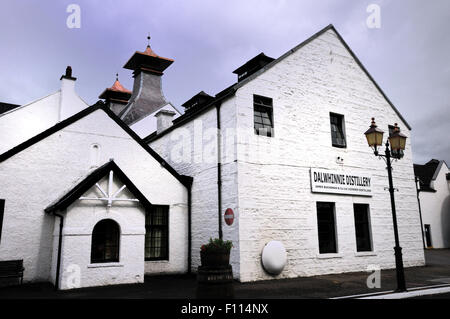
(43, 172)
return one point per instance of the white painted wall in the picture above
(266, 180)
(24, 122)
(42, 173)
(436, 209)
(275, 199)
(80, 219)
(199, 160)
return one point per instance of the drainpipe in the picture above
(416, 179)
(189, 227)
(58, 263)
(218, 103)
(219, 172)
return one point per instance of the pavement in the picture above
(435, 273)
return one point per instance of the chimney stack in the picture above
(147, 96)
(68, 94)
(164, 120)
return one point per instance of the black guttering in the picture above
(219, 172)
(417, 182)
(58, 262)
(233, 88)
(189, 189)
(98, 106)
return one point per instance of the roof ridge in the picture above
(231, 89)
(185, 180)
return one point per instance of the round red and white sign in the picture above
(229, 216)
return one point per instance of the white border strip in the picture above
(410, 294)
(381, 294)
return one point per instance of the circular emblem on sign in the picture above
(229, 216)
(274, 257)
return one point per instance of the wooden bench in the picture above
(12, 269)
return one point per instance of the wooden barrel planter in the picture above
(215, 276)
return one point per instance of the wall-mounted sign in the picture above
(340, 182)
(229, 216)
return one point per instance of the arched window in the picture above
(105, 242)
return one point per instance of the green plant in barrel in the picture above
(216, 253)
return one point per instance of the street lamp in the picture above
(398, 141)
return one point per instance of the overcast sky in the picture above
(409, 56)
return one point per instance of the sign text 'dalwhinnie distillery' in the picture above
(340, 182)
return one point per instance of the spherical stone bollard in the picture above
(274, 257)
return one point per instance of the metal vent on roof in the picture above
(252, 66)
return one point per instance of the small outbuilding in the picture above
(433, 180)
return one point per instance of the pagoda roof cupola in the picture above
(148, 61)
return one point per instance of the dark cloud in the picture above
(408, 56)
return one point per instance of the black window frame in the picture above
(113, 231)
(363, 232)
(340, 124)
(149, 226)
(263, 110)
(2, 214)
(325, 225)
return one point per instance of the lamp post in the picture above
(397, 142)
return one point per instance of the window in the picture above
(157, 233)
(394, 153)
(326, 228)
(337, 130)
(428, 235)
(263, 115)
(2, 211)
(105, 242)
(362, 227)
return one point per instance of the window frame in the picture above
(333, 228)
(262, 107)
(341, 119)
(104, 260)
(164, 257)
(368, 225)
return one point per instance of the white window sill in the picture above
(365, 253)
(105, 265)
(328, 256)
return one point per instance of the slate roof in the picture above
(229, 91)
(427, 173)
(5, 107)
(185, 180)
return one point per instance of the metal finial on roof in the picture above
(148, 39)
(117, 76)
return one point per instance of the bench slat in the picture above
(11, 268)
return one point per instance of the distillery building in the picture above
(133, 187)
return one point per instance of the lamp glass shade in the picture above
(374, 135)
(398, 141)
